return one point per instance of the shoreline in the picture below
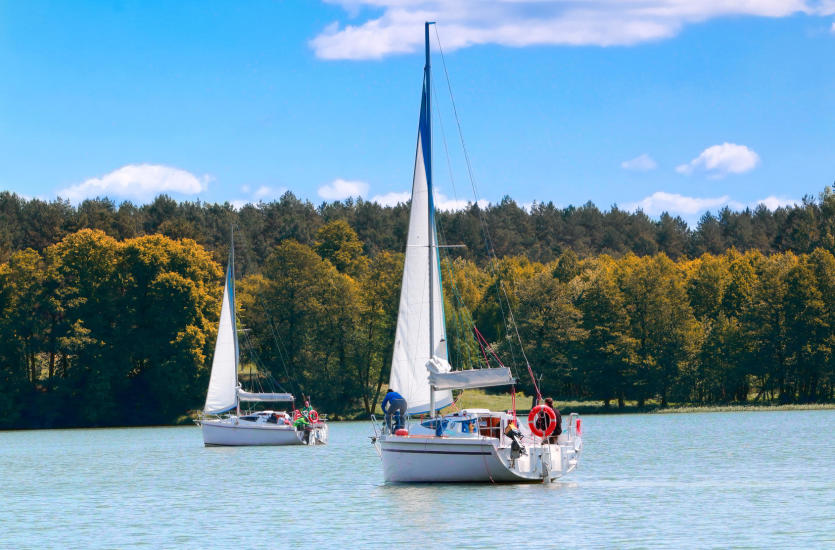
(564, 408)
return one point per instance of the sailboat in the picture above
(470, 445)
(225, 394)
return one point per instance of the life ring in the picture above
(313, 416)
(296, 415)
(552, 425)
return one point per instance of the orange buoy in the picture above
(532, 417)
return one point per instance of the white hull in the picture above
(427, 459)
(231, 432)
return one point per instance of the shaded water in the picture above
(702, 480)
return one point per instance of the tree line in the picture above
(97, 331)
(541, 232)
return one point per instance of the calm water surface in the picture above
(712, 480)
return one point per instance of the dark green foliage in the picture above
(107, 313)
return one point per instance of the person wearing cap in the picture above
(394, 405)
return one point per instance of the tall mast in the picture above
(231, 281)
(427, 151)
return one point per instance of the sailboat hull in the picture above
(427, 459)
(229, 432)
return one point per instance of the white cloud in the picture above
(692, 208)
(263, 193)
(720, 160)
(392, 199)
(517, 23)
(340, 189)
(641, 163)
(832, 28)
(138, 181)
(773, 203)
(442, 202)
(660, 202)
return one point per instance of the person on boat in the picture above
(307, 408)
(302, 423)
(558, 428)
(394, 407)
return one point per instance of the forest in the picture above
(109, 312)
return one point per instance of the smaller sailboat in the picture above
(268, 427)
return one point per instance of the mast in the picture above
(427, 150)
(231, 276)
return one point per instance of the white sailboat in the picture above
(471, 445)
(269, 427)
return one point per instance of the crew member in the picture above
(558, 428)
(394, 407)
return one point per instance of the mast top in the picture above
(426, 32)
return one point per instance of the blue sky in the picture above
(660, 104)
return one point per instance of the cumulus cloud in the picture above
(660, 202)
(340, 189)
(442, 202)
(141, 182)
(392, 199)
(263, 193)
(773, 203)
(720, 160)
(641, 163)
(691, 208)
(399, 26)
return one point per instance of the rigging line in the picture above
(459, 315)
(279, 346)
(489, 243)
(491, 251)
(456, 314)
(290, 380)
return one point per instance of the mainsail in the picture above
(222, 395)
(420, 334)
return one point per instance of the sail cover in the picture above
(413, 345)
(273, 397)
(222, 394)
(474, 378)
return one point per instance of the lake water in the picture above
(706, 480)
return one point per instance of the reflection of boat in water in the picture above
(225, 394)
(472, 445)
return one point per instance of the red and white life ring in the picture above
(534, 414)
(313, 416)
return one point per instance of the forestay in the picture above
(223, 382)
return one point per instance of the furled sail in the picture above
(420, 332)
(272, 397)
(473, 378)
(222, 394)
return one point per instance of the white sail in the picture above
(413, 345)
(222, 394)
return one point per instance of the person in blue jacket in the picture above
(394, 407)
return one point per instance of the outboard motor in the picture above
(516, 447)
